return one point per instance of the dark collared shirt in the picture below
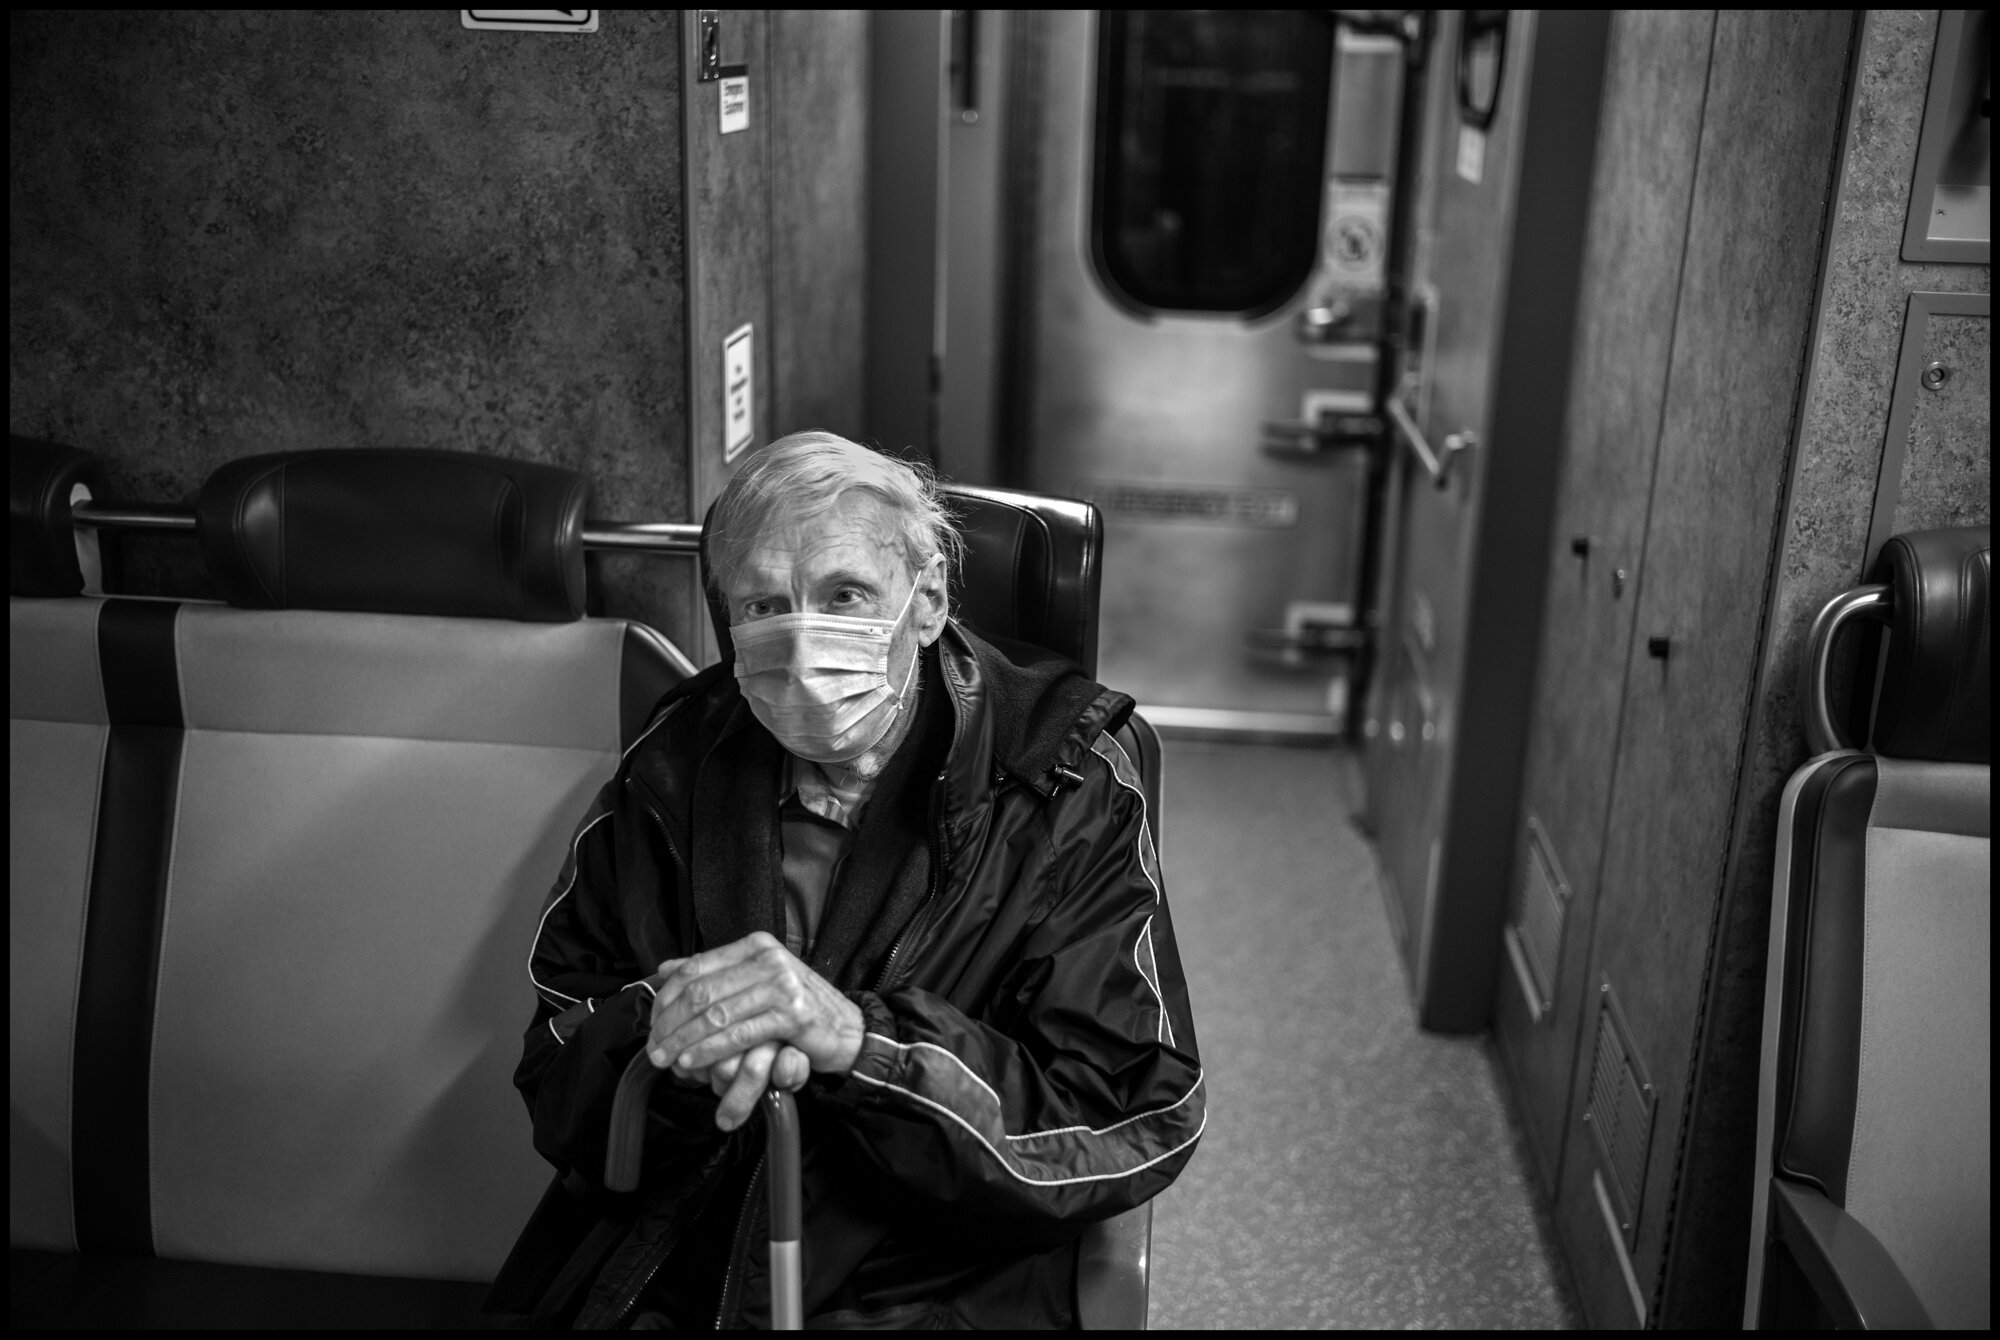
(816, 825)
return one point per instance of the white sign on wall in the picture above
(735, 103)
(739, 401)
(530, 20)
(1471, 153)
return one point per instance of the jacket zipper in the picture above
(936, 840)
(646, 803)
(632, 1301)
(737, 1246)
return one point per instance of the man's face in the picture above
(843, 560)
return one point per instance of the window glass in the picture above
(1210, 146)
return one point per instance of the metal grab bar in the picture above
(133, 516)
(1864, 602)
(652, 537)
(1436, 463)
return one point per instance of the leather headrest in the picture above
(1936, 703)
(1033, 566)
(42, 478)
(1031, 572)
(399, 531)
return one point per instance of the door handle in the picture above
(1436, 462)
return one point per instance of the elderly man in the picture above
(888, 865)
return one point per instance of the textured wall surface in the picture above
(1865, 288)
(235, 233)
(1947, 474)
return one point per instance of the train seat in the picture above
(1032, 572)
(275, 868)
(1873, 1202)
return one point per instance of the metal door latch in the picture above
(1330, 433)
(708, 33)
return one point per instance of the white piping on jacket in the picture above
(554, 995)
(1033, 1135)
(1146, 845)
(1055, 1181)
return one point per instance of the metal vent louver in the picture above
(1620, 1115)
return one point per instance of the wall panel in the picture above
(819, 218)
(238, 232)
(1763, 182)
(1658, 73)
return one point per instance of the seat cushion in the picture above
(1920, 1174)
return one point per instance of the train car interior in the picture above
(1523, 477)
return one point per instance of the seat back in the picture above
(58, 728)
(1032, 572)
(1875, 1106)
(323, 836)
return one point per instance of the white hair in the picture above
(805, 474)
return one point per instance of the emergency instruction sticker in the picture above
(739, 400)
(735, 103)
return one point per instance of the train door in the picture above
(1207, 256)
(1510, 141)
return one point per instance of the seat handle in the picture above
(1866, 602)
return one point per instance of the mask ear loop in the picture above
(917, 656)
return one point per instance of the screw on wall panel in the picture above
(1935, 376)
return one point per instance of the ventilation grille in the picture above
(1543, 909)
(1620, 1115)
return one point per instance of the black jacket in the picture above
(1029, 1063)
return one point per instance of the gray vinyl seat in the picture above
(1873, 1202)
(274, 866)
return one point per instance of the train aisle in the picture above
(1355, 1172)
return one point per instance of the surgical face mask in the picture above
(820, 682)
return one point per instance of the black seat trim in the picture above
(110, 1060)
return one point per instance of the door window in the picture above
(1209, 151)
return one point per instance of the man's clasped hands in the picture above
(749, 1015)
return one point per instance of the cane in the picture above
(781, 1131)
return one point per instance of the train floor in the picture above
(1355, 1171)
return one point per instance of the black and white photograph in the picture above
(999, 669)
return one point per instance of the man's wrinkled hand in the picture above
(746, 1015)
